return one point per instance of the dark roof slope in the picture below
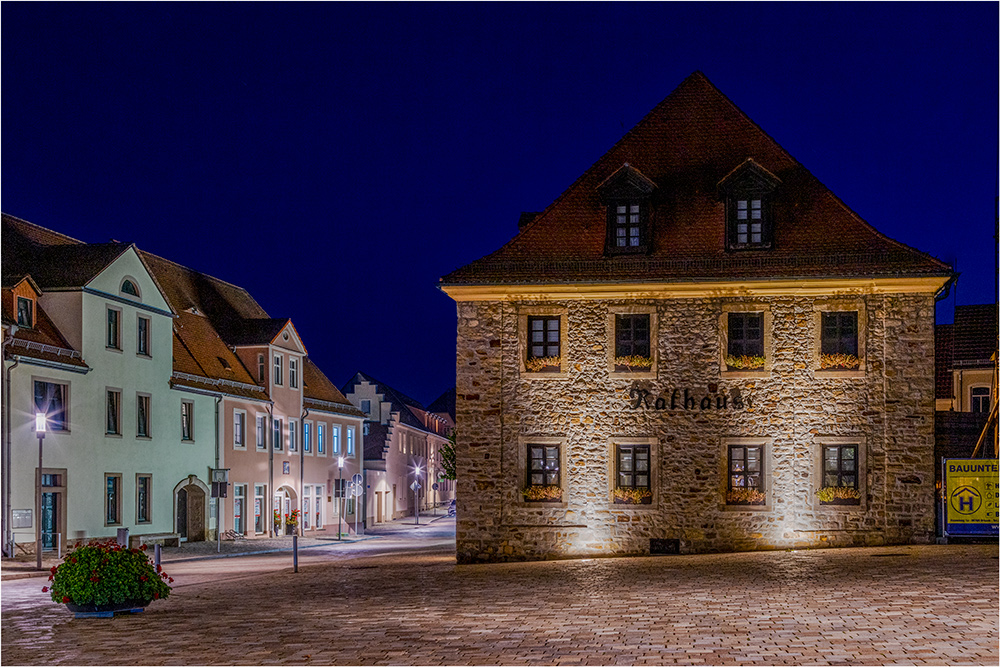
(943, 341)
(400, 402)
(319, 393)
(975, 333)
(686, 146)
(444, 404)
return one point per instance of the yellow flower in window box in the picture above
(633, 496)
(745, 497)
(543, 493)
(633, 363)
(839, 495)
(744, 362)
(839, 361)
(543, 364)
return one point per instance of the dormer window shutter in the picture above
(626, 194)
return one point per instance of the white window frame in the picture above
(320, 435)
(278, 434)
(240, 429)
(237, 495)
(293, 435)
(306, 506)
(115, 345)
(318, 509)
(335, 440)
(190, 421)
(279, 362)
(262, 498)
(148, 338)
(293, 372)
(349, 440)
(261, 428)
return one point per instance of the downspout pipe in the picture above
(5, 465)
(219, 502)
(269, 437)
(302, 469)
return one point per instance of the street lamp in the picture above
(416, 497)
(40, 423)
(340, 488)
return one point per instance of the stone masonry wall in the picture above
(888, 410)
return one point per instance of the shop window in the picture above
(746, 475)
(112, 499)
(543, 482)
(543, 344)
(840, 476)
(259, 519)
(239, 508)
(143, 484)
(633, 475)
(25, 312)
(51, 399)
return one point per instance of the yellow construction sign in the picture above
(972, 496)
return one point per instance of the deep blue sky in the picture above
(336, 160)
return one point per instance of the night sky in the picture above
(336, 160)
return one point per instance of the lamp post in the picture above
(340, 488)
(40, 423)
(416, 497)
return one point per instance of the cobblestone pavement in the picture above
(888, 605)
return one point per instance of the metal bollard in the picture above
(156, 554)
(295, 553)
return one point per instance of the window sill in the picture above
(542, 375)
(143, 523)
(633, 375)
(116, 436)
(838, 509)
(143, 437)
(187, 440)
(539, 504)
(240, 448)
(745, 508)
(113, 349)
(140, 355)
(835, 373)
(632, 507)
(758, 373)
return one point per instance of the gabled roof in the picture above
(444, 404)
(262, 331)
(43, 341)
(399, 401)
(686, 146)
(319, 393)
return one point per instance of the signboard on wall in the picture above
(971, 497)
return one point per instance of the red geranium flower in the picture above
(45, 589)
(65, 599)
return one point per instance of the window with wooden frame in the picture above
(112, 499)
(187, 420)
(142, 336)
(632, 342)
(261, 432)
(979, 399)
(544, 345)
(748, 191)
(51, 398)
(627, 222)
(25, 312)
(293, 433)
(543, 473)
(113, 420)
(840, 476)
(142, 416)
(745, 484)
(143, 493)
(744, 341)
(839, 340)
(114, 329)
(633, 483)
(278, 435)
(278, 363)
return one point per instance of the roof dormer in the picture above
(23, 304)
(748, 191)
(626, 194)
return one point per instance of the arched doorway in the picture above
(284, 502)
(190, 510)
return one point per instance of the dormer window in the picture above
(626, 193)
(25, 312)
(748, 193)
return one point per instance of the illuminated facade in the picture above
(696, 347)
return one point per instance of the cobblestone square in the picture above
(889, 605)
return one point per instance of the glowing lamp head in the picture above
(340, 461)
(40, 422)
(418, 470)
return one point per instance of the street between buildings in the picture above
(399, 598)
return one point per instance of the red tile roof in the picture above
(943, 340)
(686, 146)
(321, 394)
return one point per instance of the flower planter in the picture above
(107, 610)
(547, 369)
(644, 501)
(543, 500)
(745, 502)
(289, 530)
(842, 501)
(631, 369)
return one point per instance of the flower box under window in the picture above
(633, 496)
(839, 495)
(633, 364)
(745, 497)
(543, 364)
(543, 493)
(839, 362)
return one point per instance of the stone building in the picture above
(696, 347)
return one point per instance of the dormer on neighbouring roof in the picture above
(626, 194)
(748, 191)
(22, 306)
